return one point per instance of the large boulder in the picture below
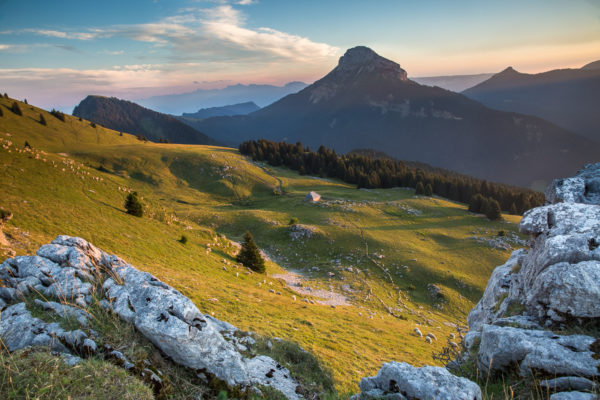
(553, 284)
(400, 381)
(502, 348)
(584, 187)
(72, 270)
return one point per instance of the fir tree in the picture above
(419, 189)
(1, 112)
(43, 120)
(428, 190)
(15, 108)
(133, 205)
(493, 211)
(250, 256)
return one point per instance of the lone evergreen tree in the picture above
(428, 190)
(15, 108)
(133, 205)
(42, 119)
(250, 256)
(493, 210)
(419, 189)
(1, 113)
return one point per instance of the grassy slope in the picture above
(203, 191)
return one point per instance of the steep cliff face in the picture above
(538, 297)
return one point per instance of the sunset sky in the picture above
(54, 53)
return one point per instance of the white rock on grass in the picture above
(401, 380)
(574, 396)
(536, 350)
(67, 269)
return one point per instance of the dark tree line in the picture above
(379, 172)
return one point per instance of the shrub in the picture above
(501, 233)
(250, 255)
(16, 109)
(5, 216)
(133, 205)
(93, 124)
(60, 116)
(183, 239)
(293, 221)
(43, 120)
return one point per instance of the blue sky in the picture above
(56, 52)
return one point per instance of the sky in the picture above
(54, 53)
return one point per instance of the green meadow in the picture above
(377, 252)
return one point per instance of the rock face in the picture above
(401, 381)
(71, 269)
(529, 304)
(555, 284)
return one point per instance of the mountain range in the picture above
(190, 102)
(456, 83)
(367, 101)
(229, 110)
(125, 116)
(567, 97)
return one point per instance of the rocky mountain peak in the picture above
(362, 59)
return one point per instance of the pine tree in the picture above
(250, 256)
(1, 113)
(15, 108)
(493, 211)
(419, 189)
(42, 120)
(133, 205)
(428, 190)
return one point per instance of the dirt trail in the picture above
(296, 282)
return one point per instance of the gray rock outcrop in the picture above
(529, 304)
(401, 381)
(553, 285)
(72, 270)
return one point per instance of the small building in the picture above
(313, 197)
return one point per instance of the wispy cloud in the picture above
(64, 35)
(214, 33)
(5, 46)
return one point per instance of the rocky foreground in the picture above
(76, 274)
(539, 316)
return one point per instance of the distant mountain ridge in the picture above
(190, 102)
(456, 83)
(567, 97)
(367, 101)
(125, 116)
(229, 110)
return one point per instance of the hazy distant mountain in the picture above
(367, 101)
(568, 97)
(128, 117)
(233, 109)
(262, 95)
(595, 65)
(456, 83)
